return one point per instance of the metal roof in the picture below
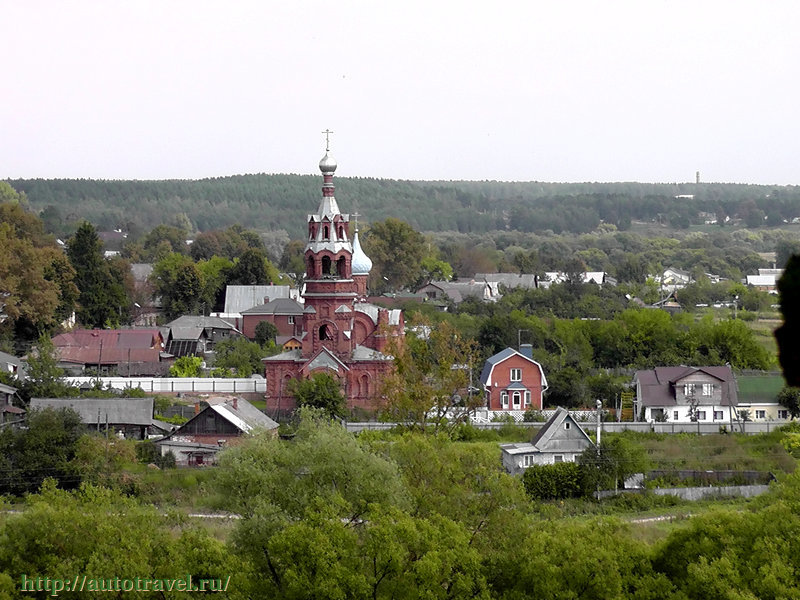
(279, 306)
(239, 298)
(114, 411)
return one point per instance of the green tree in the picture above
(322, 391)
(102, 297)
(186, 366)
(179, 283)
(396, 251)
(250, 269)
(44, 379)
(430, 380)
(265, 332)
(240, 355)
(790, 398)
(264, 478)
(45, 449)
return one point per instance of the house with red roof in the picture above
(124, 351)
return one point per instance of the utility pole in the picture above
(599, 405)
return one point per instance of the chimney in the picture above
(526, 350)
(197, 408)
(266, 299)
(235, 403)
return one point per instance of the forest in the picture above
(281, 202)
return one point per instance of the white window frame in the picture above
(783, 414)
(719, 415)
(688, 389)
(527, 398)
(516, 400)
(708, 389)
(761, 414)
(504, 399)
(567, 424)
(515, 375)
(675, 415)
(557, 458)
(290, 320)
(701, 415)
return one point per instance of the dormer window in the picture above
(688, 389)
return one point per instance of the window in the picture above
(701, 415)
(566, 425)
(516, 374)
(708, 389)
(675, 415)
(527, 398)
(761, 414)
(516, 398)
(558, 458)
(528, 461)
(688, 389)
(718, 415)
(504, 399)
(783, 414)
(290, 320)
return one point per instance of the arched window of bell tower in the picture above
(327, 263)
(326, 235)
(324, 333)
(310, 267)
(341, 232)
(341, 267)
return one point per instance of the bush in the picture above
(552, 482)
(533, 416)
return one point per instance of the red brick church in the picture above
(342, 334)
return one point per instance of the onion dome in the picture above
(360, 262)
(328, 164)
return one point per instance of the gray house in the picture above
(133, 417)
(560, 440)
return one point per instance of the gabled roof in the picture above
(10, 359)
(324, 358)
(493, 361)
(553, 437)
(191, 327)
(239, 412)
(279, 306)
(239, 298)
(107, 356)
(657, 386)
(109, 338)
(114, 411)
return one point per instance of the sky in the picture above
(562, 91)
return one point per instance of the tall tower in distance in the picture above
(697, 177)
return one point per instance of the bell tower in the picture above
(330, 290)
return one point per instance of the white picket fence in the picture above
(156, 385)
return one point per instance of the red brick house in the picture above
(341, 333)
(512, 380)
(286, 314)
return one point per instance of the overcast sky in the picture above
(644, 90)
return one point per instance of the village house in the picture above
(686, 394)
(131, 418)
(8, 412)
(561, 439)
(223, 422)
(193, 335)
(107, 351)
(512, 380)
(286, 314)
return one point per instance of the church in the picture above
(342, 334)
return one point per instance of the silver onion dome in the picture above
(361, 263)
(327, 164)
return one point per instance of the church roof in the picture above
(360, 262)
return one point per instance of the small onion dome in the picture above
(327, 164)
(361, 264)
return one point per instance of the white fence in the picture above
(155, 385)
